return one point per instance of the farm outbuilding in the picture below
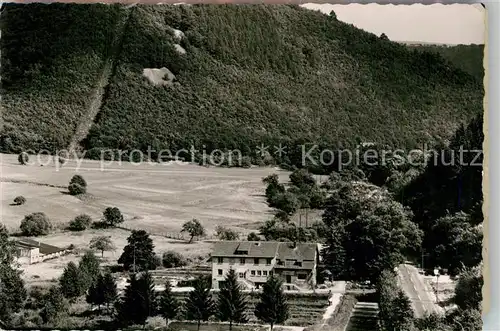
(30, 251)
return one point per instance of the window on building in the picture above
(270, 273)
(268, 261)
(241, 275)
(298, 264)
(242, 260)
(264, 272)
(301, 276)
(259, 273)
(256, 261)
(220, 260)
(219, 272)
(253, 272)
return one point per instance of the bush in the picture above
(224, 233)
(80, 223)
(246, 162)
(171, 259)
(252, 236)
(77, 179)
(20, 200)
(23, 158)
(77, 185)
(35, 224)
(76, 189)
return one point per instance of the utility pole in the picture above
(422, 250)
(436, 273)
(134, 257)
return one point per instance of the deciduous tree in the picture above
(224, 233)
(112, 216)
(80, 222)
(194, 228)
(370, 232)
(173, 259)
(36, 224)
(102, 243)
(468, 291)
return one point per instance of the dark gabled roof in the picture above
(268, 249)
(301, 251)
(244, 246)
(307, 265)
(254, 248)
(44, 248)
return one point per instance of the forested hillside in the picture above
(469, 58)
(249, 75)
(52, 56)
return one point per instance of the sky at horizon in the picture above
(436, 23)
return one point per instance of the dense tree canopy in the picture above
(369, 232)
(12, 290)
(286, 51)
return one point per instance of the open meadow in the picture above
(155, 197)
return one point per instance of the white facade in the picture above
(30, 251)
(254, 262)
(255, 270)
(28, 255)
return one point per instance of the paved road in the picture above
(422, 298)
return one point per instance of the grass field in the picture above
(156, 198)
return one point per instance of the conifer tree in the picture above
(272, 307)
(139, 253)
(231, 302)
(71, 282)
(95, 295)
(139, 301)
(109, 289)
(89, 269)
(199, 304)
(55, 306)
(168, 304)
(12, 290)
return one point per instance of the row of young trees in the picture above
(141, 301)
(39, 224)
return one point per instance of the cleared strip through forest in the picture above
(96, 99)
